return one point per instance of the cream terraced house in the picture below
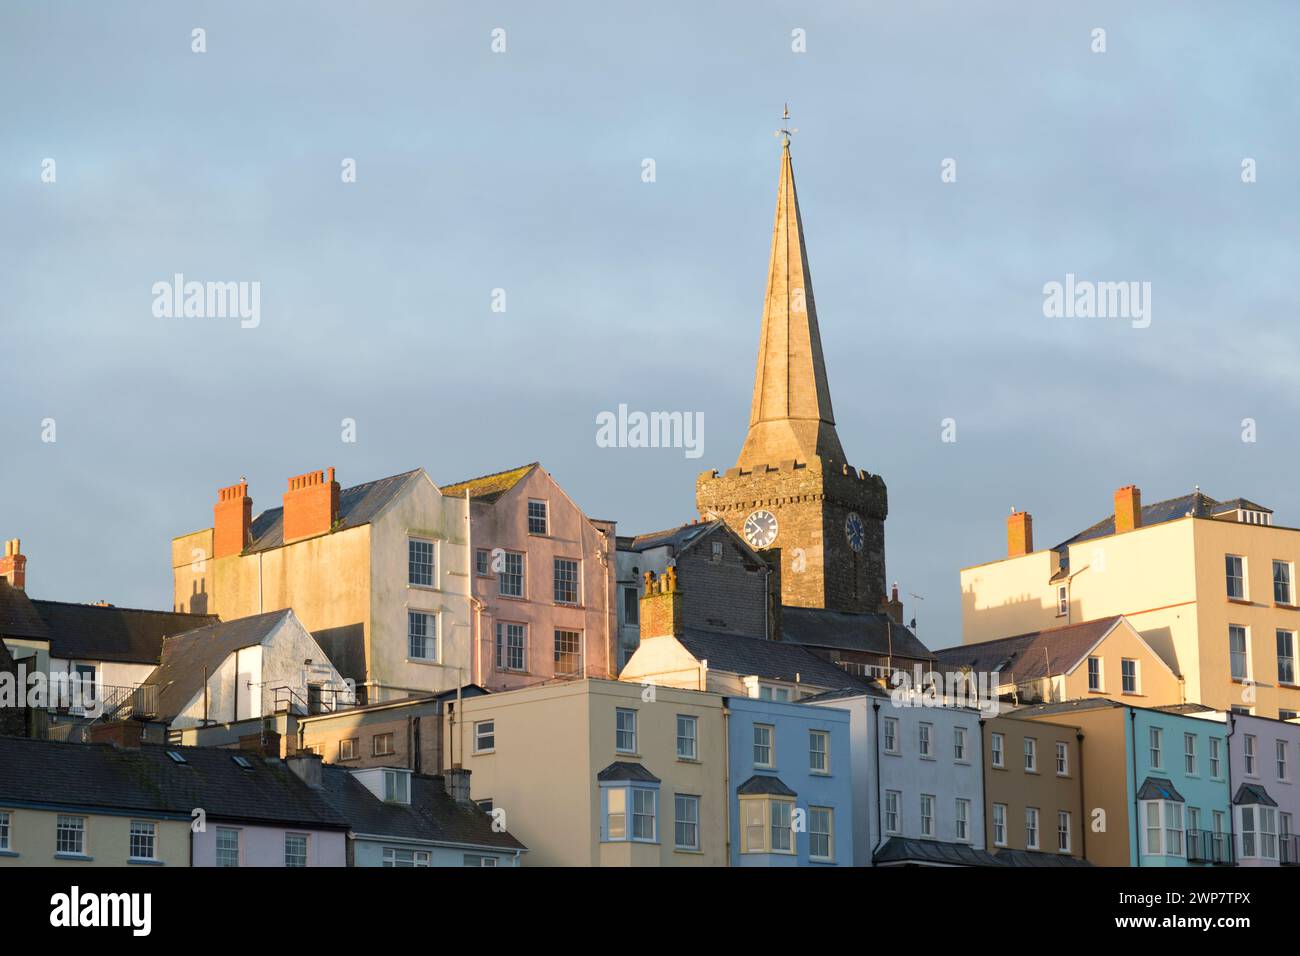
(1209, 585)
(379, 573)
(600, 773)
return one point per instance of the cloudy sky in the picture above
(522, 171)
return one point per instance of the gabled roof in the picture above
(104, 777)
(1171, 509)
(94, 632)
(900, 850)
(756, 657)
(1252, 794)
(489, 487)
(1159, 788)
(764, 785)
(1032, 656)
(871, 632)
(186, 658)
(18, 617)
(431, 815)
(358, 505)
(626, 770)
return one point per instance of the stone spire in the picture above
(790, 417)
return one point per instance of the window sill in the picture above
(423, 587)
(482, 753)
(74, 856)
(9, 854)
(426, 661)
(694, 760)
(1243, 602)
(688, 851)
(133, 862)
(1286, 607)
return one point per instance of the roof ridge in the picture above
(494, 474)
(118, 607)
(363, 484)
(1029, 634)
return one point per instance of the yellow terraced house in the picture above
(1210, 586)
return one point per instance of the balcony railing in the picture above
(319, 700)
(84, 697)
(1209, 846)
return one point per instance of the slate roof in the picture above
(1069, 706)
(103, 777)
(869, 632)
(676, 538)
(18, 616)
(1037, 858)
(903, 850)
(626, 770)
(764, 784)
(774, 660)
(186, 657)
(1253, 793)
(432, 814)
(358, 505)
(1171, 509)
(1031, 656)
(1159, 788)
(93, 632)
(489, 487)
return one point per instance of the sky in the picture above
(522, 171)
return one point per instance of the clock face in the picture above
(760, 529)
(855, 531)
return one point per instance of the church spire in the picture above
(790, 417)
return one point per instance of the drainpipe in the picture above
(1083, 806)
(1137, 822)
(880, 836)
(984, 794)
(1227, 755)
(726, 777)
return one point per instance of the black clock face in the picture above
(855, 531)
(760, 529)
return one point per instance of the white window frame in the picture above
(1248, 755)
(1064, 834)
(1239, 577)
(894, 799)
(1216, 752)
(1100, 686)
(69, 825)
(529, 517)
(824, 753)
(1286, 587)
(1031, 755)
(146, 830)
(890, 735)
(925, 740)
(416, 543)
(998, 750)
(506, 574)
(556, 579)
(961, 820)
(1062, 759)
(1156, 747)
(1286, 675)
(431, 637)
(959, 745)
(1244, 655)
(1130, 683)
(485, 731)
(6, 831)
(828, 833)
(507, 648)
(1033, 828)
(767, 732)
(1189, 755)
(219, 850)
(927, 816)
(999, 824)
(692, 724)
(625, 730)
(679, 801)
(306, 848)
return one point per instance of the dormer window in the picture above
(397, 787)
(1250, 516)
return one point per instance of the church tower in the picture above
(792, 492)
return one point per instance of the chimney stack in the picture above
(892, 606)
(123, 734)
(1128, 509)
(232, 520)
(661, 606)
(456, 780)
(311, 505)
(13, 566)
(307, 766)
(1020, 533)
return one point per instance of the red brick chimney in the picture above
(892, 605)
(13, 566)
(1128, 509)
(232, 520)
(310, 505)
(1020, 533)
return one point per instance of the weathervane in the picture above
(785, 127)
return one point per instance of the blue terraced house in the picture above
(789, 783)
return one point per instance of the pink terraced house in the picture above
(544, 582)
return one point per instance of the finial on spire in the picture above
(785, 131)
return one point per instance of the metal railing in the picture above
(1209, 846)
(320, 699)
